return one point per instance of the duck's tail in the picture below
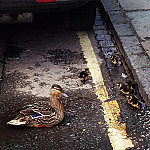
(17, 122)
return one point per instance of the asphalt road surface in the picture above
(97, 115)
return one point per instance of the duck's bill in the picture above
(64, 94)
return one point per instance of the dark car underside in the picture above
(19, 6)
(81, 13)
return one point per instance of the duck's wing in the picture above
(45, 109)
(28, 110)
(37, 109)
(23, 108)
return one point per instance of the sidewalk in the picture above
(129, 22)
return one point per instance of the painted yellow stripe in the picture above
(116, 131)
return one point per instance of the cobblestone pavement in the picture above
(106, 43)
(129, 24)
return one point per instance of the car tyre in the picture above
(83, 18)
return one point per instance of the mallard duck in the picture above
(83, 76)
(133, 100)
(43, 114)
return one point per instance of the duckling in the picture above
(133, 100)
(43, 114)
(123, 87)
(83, 76)
(127, 87)
(132, 85)
(114, 58)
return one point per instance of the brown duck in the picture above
(43, 114)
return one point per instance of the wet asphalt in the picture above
(41, 54)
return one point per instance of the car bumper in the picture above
(26, 6)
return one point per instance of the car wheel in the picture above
(83, 18)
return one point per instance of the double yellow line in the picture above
(116, 130)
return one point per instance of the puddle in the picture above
(64, 56)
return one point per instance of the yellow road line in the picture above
(116, 130)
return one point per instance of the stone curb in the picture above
(128, 44)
